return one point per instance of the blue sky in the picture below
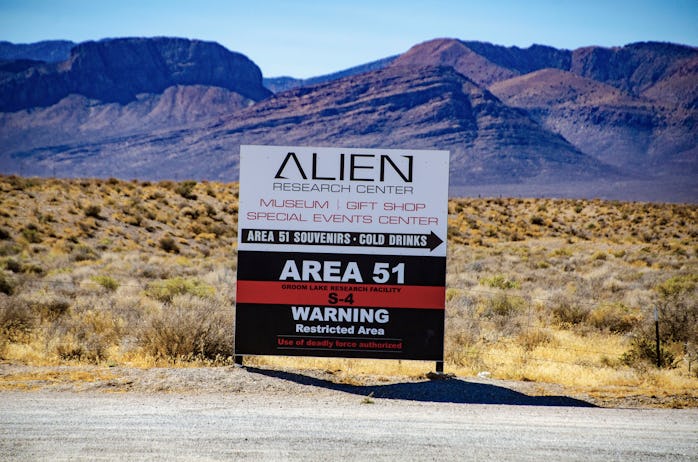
(305, 38)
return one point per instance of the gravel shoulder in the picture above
(228, 413)
(275, 382)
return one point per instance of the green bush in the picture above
(677, 286)
(166, 290)
(169, 245)
(12, 265)
(186, 188)
(83, 252)
(504, 305)
(599, 256)
(678, 308)
(7, 283)
(9, 248)
(31, 234)
(107, 282)
(93, 211)
(643, 352)
(498, 281)
(537, 220)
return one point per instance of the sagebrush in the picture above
(129, 272)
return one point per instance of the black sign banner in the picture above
(340, 238)
(357, 306)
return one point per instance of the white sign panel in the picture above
(395, 199)
(342, 252)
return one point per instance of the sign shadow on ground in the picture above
(453, 390)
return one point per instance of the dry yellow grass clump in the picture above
(140, 273)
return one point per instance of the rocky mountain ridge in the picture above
(279, 84)
(521, 118)
(634, 107)
(51, 51)
(117, 70)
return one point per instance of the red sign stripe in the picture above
(368, 295)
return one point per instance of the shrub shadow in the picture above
(453, 390)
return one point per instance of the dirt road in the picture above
(287, 416)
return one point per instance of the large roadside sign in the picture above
(341, 252)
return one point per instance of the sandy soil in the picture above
(270, 382)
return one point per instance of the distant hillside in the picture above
(429, 106)
(116, 71)
(51, 51)
(634, 107)
(425, 108)
(619, 122)
(278, 84)
(633, 68)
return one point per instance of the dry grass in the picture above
(35, 380)
(143, 274)
(93, 267)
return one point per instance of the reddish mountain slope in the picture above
(535, 117)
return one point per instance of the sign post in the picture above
(342, 252)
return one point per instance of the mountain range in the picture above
(592, 122)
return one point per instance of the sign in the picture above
(341, 252)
